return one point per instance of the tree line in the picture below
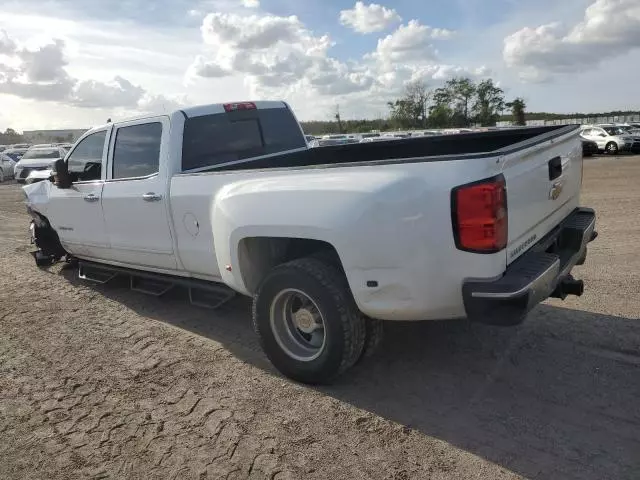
(10, 136)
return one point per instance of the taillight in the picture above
(479, 215)
(232, 107)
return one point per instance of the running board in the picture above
(201, 293)
(150, 286)
(95, 274)
(213, 296)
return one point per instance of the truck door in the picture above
(135, 196)
(76, 213)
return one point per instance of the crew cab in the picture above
(329, 242)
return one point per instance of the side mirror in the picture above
(60, 173)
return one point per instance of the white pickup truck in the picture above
(328, 241)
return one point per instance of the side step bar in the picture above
(201, 293)
(94, 274)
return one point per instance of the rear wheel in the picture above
(308, 323)
(612, 148)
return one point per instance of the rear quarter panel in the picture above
(389, 223)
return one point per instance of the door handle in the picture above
(151, 197)
(91, 198)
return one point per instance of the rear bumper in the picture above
(542, 272)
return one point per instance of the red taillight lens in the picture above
(232, 107)
(479, 214)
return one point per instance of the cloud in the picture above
(40, 73)
(117, 93)
(410, 42)
(610, 28)
(251, 32)
(7, 45)
(369, 18)
(251, 3)
(279, 57)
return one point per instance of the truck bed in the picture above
(437, 148)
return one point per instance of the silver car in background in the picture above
(37, 158)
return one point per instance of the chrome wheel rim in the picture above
(297, 325)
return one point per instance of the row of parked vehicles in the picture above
(375, 136)
(611, 138)
(30, 163)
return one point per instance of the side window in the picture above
(86, 159)
(136, 152)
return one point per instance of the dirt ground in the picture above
(101, 382)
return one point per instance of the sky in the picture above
(73, 64)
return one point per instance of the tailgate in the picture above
(543, 187)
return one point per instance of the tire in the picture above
(290, 349)
(611, 148)
(1, 176)
(374, 334)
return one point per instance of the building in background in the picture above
(52, 136)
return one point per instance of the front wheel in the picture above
(308, 323)
(612, 148)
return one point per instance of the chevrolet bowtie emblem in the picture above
(555, 191)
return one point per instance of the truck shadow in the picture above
(557, 397)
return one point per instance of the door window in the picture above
(137, 151)
(86, 159)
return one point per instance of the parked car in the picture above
(37, 158)
(7, 164)
(327, 241)
(15, 153)
(589, 147)
(611, 139)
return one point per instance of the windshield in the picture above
(42, 153)
(15, 156)
(614, 130)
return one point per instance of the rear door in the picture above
(134, 199)
(543, 187)
(76, 213)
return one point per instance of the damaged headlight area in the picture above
(38, 219)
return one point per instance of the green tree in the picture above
(518, 107)
(410, 111)
(461, 91)
(10, 136)
(488, 104)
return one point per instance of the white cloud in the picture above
(410, 42)
(251, 3)
(7, 45)
(369, 18)
(279, 57)
(610, 28)
(40, 73)
(119, 92)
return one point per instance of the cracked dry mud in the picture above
(100, 382)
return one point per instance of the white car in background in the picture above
(37, 158)
(610, 138)
(7, 165)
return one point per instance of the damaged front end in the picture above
(42, 235)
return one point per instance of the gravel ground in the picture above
(101, 382)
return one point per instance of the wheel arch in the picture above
(256, 256)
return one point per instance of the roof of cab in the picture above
(194, 111)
